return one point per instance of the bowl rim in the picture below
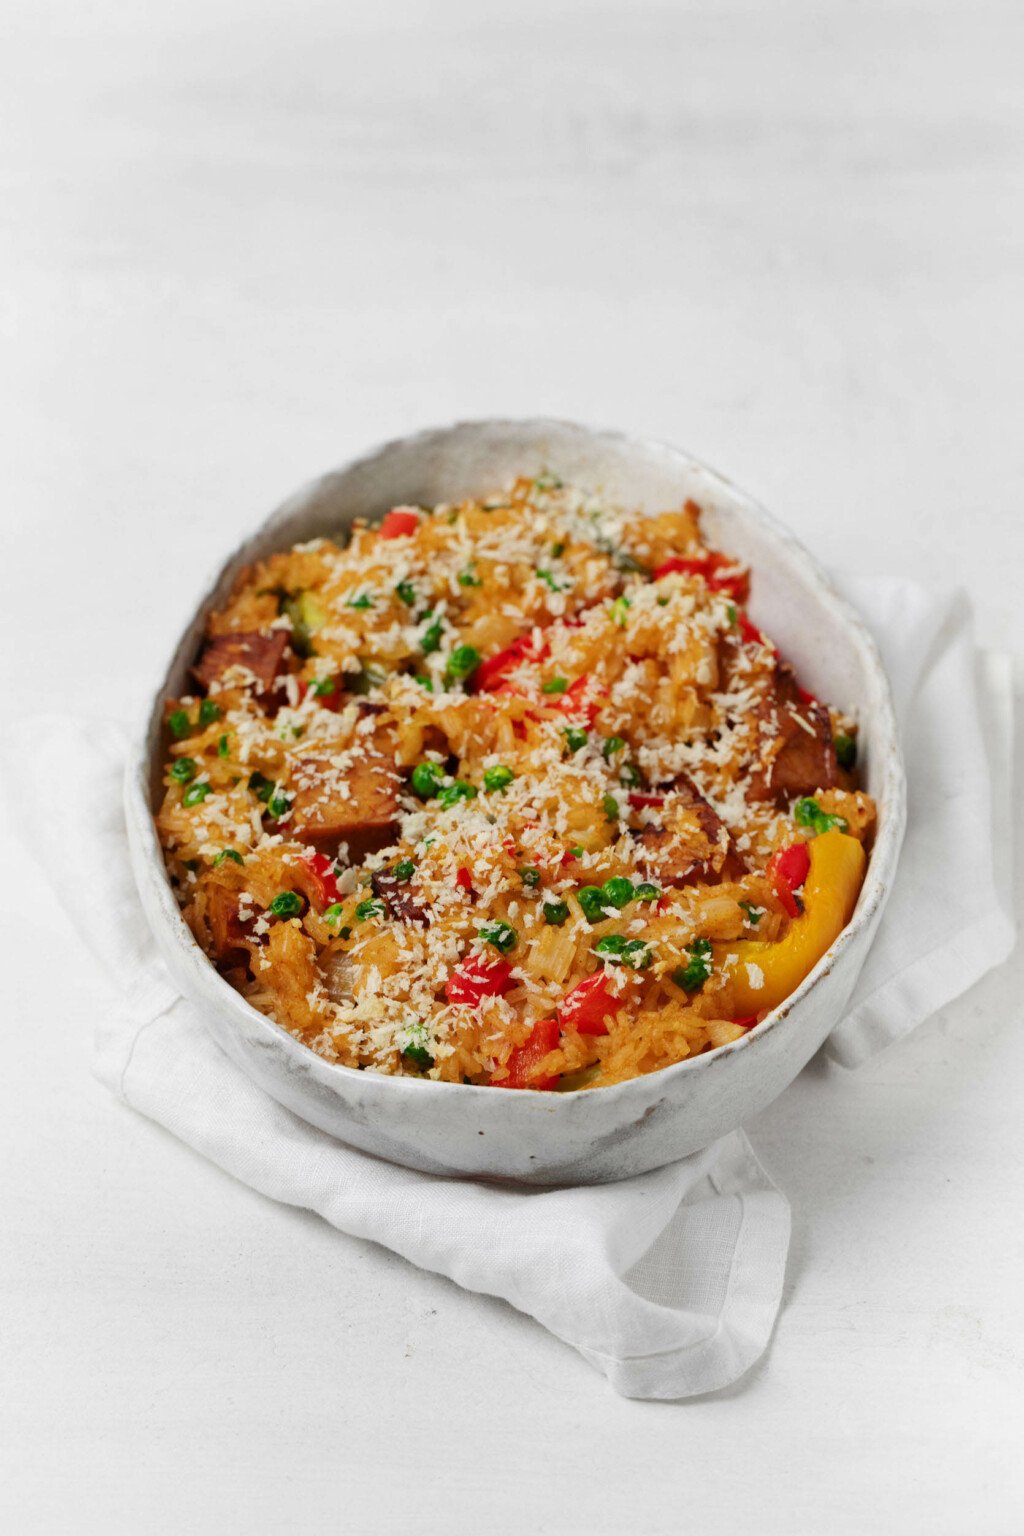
(881, 865)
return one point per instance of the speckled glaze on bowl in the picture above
(546, 1138)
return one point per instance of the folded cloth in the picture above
(668, 1282)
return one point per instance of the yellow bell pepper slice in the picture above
(762, 975)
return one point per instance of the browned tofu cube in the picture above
(357, 805)
(259, 654)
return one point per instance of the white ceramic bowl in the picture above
(544, 1138)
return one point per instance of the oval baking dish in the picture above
(618, 1130)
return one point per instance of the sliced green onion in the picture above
(228, 853)
(183, 770)
(498, 777)
(555, 685)
(196, 794)
(369, 908)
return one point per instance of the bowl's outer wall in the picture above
(610, 1133)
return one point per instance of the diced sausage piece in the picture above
(227, 931)
(399, 898)
(798, 756)
(357, 805)
(692, 843)
(259, 654)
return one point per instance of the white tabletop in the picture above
(242, 241)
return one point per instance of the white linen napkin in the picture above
(669, 1282)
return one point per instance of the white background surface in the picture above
(239, 242)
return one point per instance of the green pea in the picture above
(369, 908)
(530, 877)
(612, 745)
(333, 912)
(498, 777)
(695, 973)
(645, 891)
(279, 806)
(406, 592)
(576, 738)
(501, 935)
(610, 806)
(430, 640)
(617, 892)
(426, 779)
(261, 787)
(195, 794)
(180, 725)
(622, 951)
(404, 869)
(846, 750)
(592, 902)
(419, 1056)
(453, 793)
(555, 913)
(209, 711)
(467, 579)
(287, 904)
(463, 662)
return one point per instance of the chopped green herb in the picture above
(180, 725)
(555, 685)
(463, 662)
(617, 892)
(407, 592)
(619, 610)
(228, 853)
(754, 914)
(183, 770)
(424, 682)
(426, 779)
(404, 869)
(846, 750)
(468, 579)
(287, 904)
(362, 600)
(222, 746)
(195, 794)
(501, 935)
(695, 973)
(453, 793)
(369, 908)
(555, 913)
(551, 581)
(209, 711)
(576, 738)
(498, 777)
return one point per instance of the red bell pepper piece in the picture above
(525, 1058)
(582, 699)
(324, 882)
(332, 700)
(638, 801)
(476, 978)
(465, 879)
(588, 1005)
(747, 1022)
(399, 521)
(492, 673)
(750, 632)
(787, 871)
